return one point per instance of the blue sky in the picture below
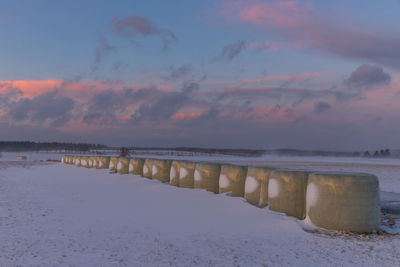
(161, 72)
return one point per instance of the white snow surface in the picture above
(63, 215)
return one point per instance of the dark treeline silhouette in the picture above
(378, 154)
(8, 146)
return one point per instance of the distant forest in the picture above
(16, 146)
(8, 146)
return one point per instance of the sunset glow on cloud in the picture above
(258, 74)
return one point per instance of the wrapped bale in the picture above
(161, 170)
(186, 174)
(113, 163)
(136, 166)
(71, 160)
(103, 162)
(287, 192)
(232, 179)
(77, 161)
(96, 163)
(123, 166)
(91, 162)
(174, 173)
(84, 161)
(64, 159)
(147, 168)
(206, 176)
(256, 186)
(343, 201)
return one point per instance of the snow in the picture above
(62, 215)
(250, 185)
(172, 172)
(273, 188)
(224, 181)
(131, 167)
(183, 173)
(197, 176)
(311, 196)
(145, 169)
(155, 170)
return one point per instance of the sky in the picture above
(260, 74)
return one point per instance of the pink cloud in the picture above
(183, 116)
(306, 27)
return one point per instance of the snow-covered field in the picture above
(61, 215)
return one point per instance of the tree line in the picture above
(10, 146)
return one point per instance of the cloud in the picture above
(48, 106)
(287, 78)
(367, 76)
(321, 107)
(166, 105)
(178, 73)
(303, 26)
(132, 27)
(231, 51)
(102, 49)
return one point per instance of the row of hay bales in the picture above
(335, 201)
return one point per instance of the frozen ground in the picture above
(61, 215)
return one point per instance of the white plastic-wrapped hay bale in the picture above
(148, 168)
(103, 163)
(256, 186)
(96, 163)
(161, 169)
(186, 174)
(123, 166)
(232, 179)
(206, 176)
(113, 163)
(174, 173)
(77, 161)
(343, 201)
(287, 192)
(70, 160)
(136, 166)
(84, 162)
(91, 162)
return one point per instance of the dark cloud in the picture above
(166, 105)
(102, 49)
(231, 51)
(321, 107)
(366, 76)
(132, 27)
(178, 73)
(48, 106)
(105, 105)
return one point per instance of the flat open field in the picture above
(53, 214)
